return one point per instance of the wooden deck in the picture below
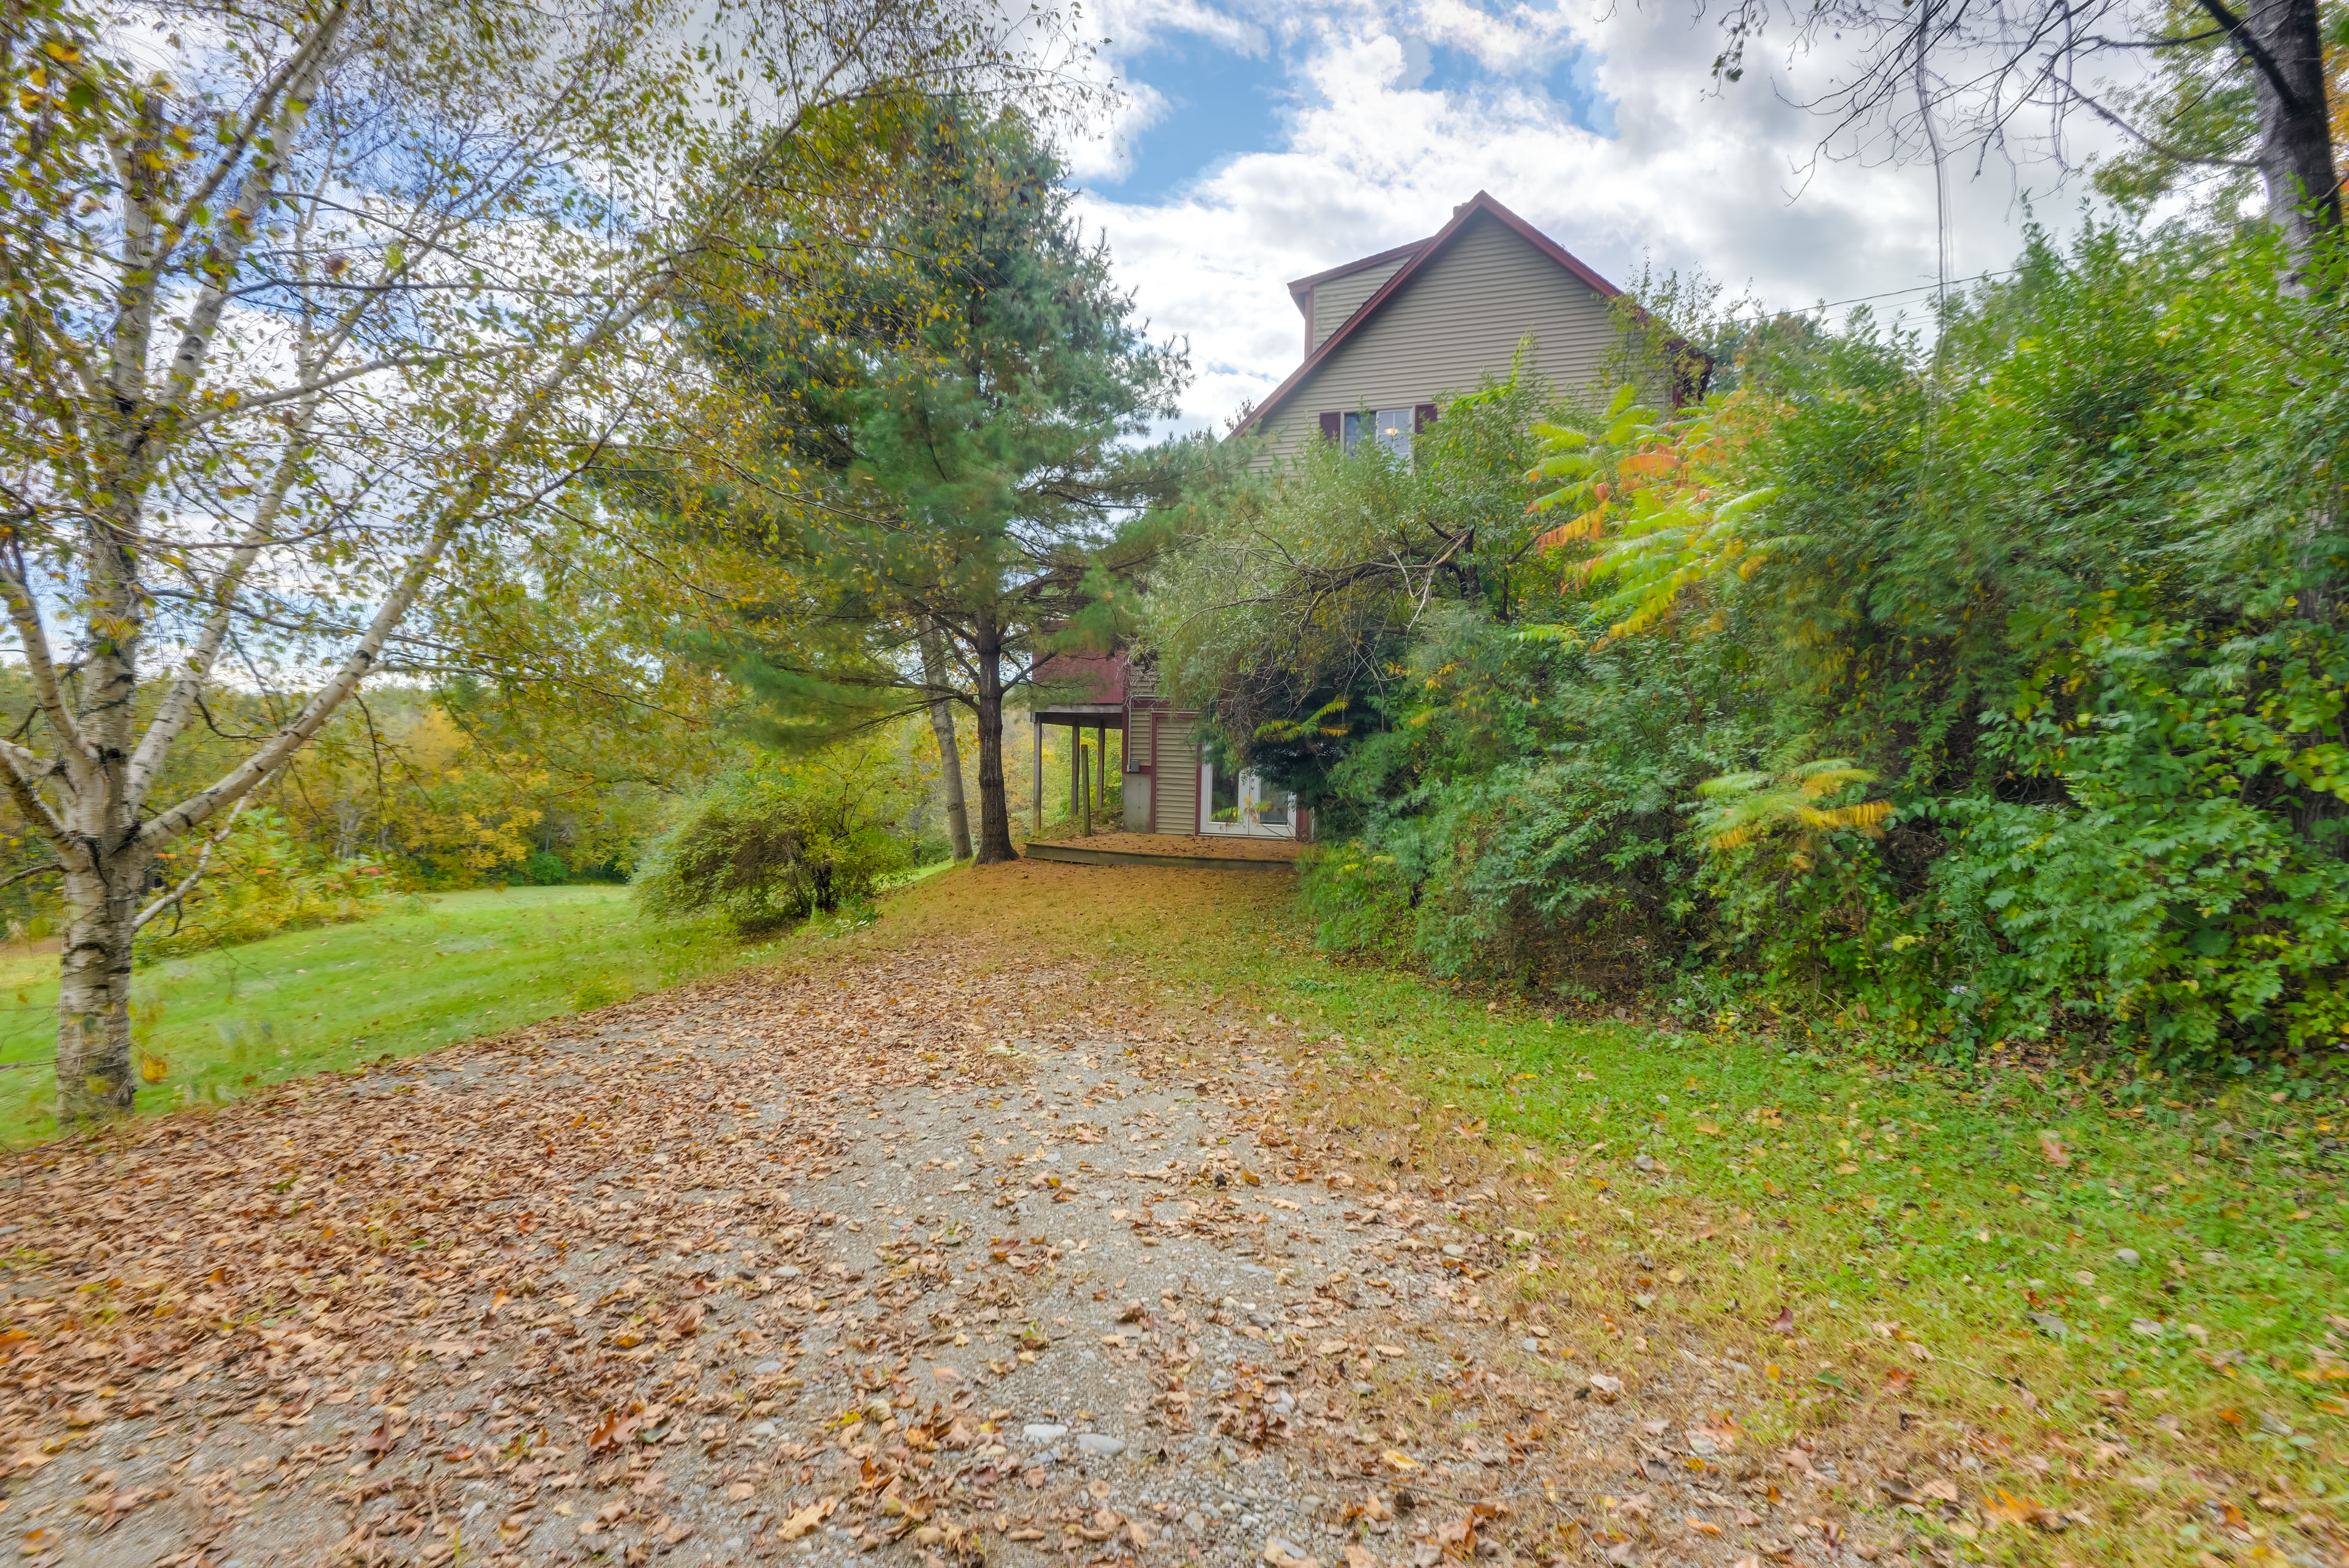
(1203, 853)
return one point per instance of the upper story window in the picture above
(1390, 428)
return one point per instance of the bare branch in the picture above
(203, 858)
(25, 615)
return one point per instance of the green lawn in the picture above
(2118, 1282)
(2083, 1253)
(436, 969)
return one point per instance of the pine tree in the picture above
(952, 459)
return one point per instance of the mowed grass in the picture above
(2123, 1300)
(435, 969)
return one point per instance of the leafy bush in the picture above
(545, 870)
(259, 880)
(2064, 597)
(770, 845)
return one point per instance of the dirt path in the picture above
(786, 1270)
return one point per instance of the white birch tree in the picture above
(306, 303)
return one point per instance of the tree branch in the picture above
(2238, 33)
(203, 858)
(73, 751)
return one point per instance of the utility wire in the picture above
(1939, 287)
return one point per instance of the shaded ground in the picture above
(964, 1239)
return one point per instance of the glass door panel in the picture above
(1239, 803)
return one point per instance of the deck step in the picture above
(1075, 854)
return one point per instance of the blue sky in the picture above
(1259, 142)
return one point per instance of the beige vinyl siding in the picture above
(1462, 316)
(1178, 776)
(1336, 299)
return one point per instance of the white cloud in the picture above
(1526, 39)
(1105, 151)
(1725, 183)
(1130, 27)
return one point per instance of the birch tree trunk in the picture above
(299, 304)
(942, 725)
(94, 1073)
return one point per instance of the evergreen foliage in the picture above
(949, 453)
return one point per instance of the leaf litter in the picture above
(862, 1261)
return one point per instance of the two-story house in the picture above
(1385, 337)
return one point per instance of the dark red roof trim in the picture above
(1428, 250)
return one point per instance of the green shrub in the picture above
(258, 880)
(2066, 596)
(545, 870)
(769, 845)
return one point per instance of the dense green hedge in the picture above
(2050, 608)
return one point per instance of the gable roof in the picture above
(1301, 290)
(1427, 252)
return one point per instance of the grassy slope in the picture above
(435, 969)
(2195, 1398)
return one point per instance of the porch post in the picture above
(1038, 725)
(1076, 770)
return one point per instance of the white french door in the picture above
(1239, 805)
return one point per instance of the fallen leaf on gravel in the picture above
(805, 1519)
(1400, 1460)
(610, 1432)
(1606, 1387)
(1359, 1556)
(1716, 1435)
(1390, 1350)
(1785, 1322)
(1942, 1490)
(740, 1491)
(2053, 1147)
